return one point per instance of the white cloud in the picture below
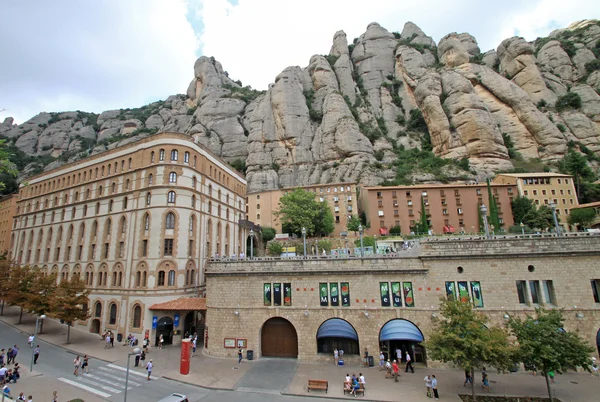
(93, 56)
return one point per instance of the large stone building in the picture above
(8, 209)
(450, 208)
(304, 308)
(341, 198)
(136, 223)
(545, 189)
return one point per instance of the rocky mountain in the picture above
(390, 107)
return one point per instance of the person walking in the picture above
(149, 367)
(240, 355)
(193, 347)
(427, 380)
(85, 365)
(143, 358)
(21, 397)
(112, 340)
(336, 356)
(396, 370)
(30, 340)
(55, 396)
(409, 363)
(160, 341)
(107, 337)
(76, 364)
(399, 354)
(468, 378)
(434, 385)
(36, 354)
(137, 360)
(366, 358)
(381, 361)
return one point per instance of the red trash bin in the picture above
(184, 367)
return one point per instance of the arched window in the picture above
(113, 314)
(174, 155)
(161, 155)
(97, 208)
(122, 165)
(137, 316)
(171, 278)
(108, 227)
(186, 157)
(98, 309)
(108, 170)
(195, 159)
(114, 187)
(193, 201)
(82, 230)
(87, 194)
(171, 197)
(148, 198)
(161, 278)
(65, 200)
(138, 276)
(130, 163)
(144, 279)
(150, 179)
(125, 203)
(170, 221)
(70, 233)
(192, 223)
(194, 181)
(172, 177)
(76, 198)
(110, 205)
(146, 222)
(127, 183)
(123, 225)
(100, 189)
(152, 157)
(94, 228)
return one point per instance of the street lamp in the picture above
(251, 244)
(375, 241)
(136, 351)
(360, 232)
(35, 339)
(556, 227)
(522, 228)
(304, 238)
(485, 221)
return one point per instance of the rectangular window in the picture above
(334, 294)
(409, 300)
(534, 288)
(67, 255)
(121, 249)
(324, 294)
(79, 252)
(596, 289)
(144, 248)
(277, 294)
(450, 291)
(190, 248)
(549, 295)
(396, 294)
(384, 287)
(105, 250)
(476, 294)
(168, 249)
(345, 292)
(522, 291)
(267, 294)
(93, 251)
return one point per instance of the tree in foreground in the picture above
(19, 287)
(39, 299)
(70, 302)
(299, 209)
(462, 337)
(353, 223)
(582, 217)
(545, 345)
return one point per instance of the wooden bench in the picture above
(348, 388)
(318, 384)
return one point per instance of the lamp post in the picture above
(360, 232)
(485, 222)
(556, 227)
(251, 244)
(35, 339)
(136, 351)
(304, 240)
(522, 228)
(375, 241)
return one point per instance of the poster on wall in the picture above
(323, 294)
(396, 294)
(385, 293)
(334, 293)
(287, 294)
(450, 291)
(408, 294)
(229, 343)
(277, 294)
(345, 292)
(267, 293)
(477, 296)
(463, 292)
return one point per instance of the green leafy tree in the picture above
(462, 336)
(421, 226)
(298, 209)
(541, 218)
(521, 206)
(353, 223)
(395, 230)
(577, 166)
(275, 249)
(5, 268)
(494, 217)
(39, 300)
(6, 166)
(20, 285)
(582, 217)
(324, 245)
(69, 302)
(368, 241)
(545, 345)
(268, 234)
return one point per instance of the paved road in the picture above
(107, 381)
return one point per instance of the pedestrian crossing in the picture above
(106, 381)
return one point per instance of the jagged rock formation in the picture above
(350, 114)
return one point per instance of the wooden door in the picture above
(279, 339)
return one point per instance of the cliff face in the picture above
(346, 115)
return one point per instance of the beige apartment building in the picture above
(137, 224)
(8, 209)
(451, 208)
(341, 198)
(544, 189)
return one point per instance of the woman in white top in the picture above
(76, 364)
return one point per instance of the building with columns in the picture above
(137, 224)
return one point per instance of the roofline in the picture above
(307, 186)
(440, 186)
(528, 175)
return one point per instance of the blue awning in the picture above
(336, 328)
(400, 330)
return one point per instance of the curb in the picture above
(330, 397)
(71, 351)
(198, 385)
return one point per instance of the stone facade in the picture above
(8, 209)
(560, 270)
(136, 223)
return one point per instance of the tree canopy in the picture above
(299, 209)
(8, 170)
(582, 217)
(353, 223)
(70, 302)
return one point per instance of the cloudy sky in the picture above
(108, 54)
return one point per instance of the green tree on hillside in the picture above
(521, 206)
(7, 168)
(421, 227)
(298, 209)
(577, 166)
(582, 217)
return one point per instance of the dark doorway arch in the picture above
(164, 328)
(598, 341)
(95, 327)
(279, 338)
(336, 333)
(400, 335)
(189, 325)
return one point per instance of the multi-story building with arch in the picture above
(136, 223)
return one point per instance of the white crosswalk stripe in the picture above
(107, 380)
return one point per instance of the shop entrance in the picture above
(279, 338)
(401, 336)
(95, 328)
(164, 328)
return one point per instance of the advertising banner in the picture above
(345, 289)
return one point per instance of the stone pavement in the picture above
(290, 376)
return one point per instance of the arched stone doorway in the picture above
(404, 336)
(164, 328)
(189, 326)
(336, 333)
(279, 338)
(95, 327)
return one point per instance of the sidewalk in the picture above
(224, 373)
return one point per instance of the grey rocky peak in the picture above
(415, 35)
